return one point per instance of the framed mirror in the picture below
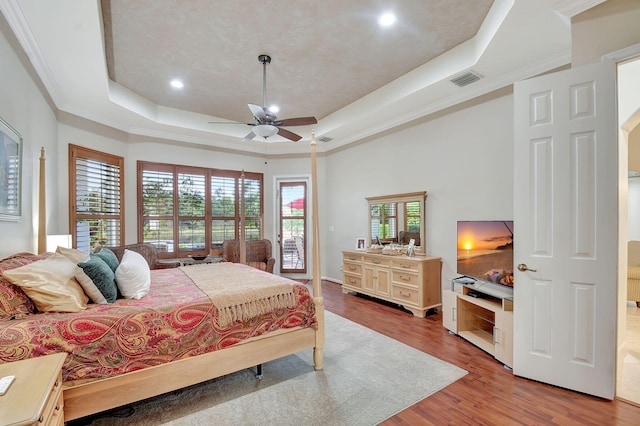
(397, 219)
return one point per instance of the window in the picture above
(188, 209)
(384, 221)
(412, 216)
(96, 182)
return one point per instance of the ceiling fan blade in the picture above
(258, 113)
(300, 121)
(289, 135)
(249, 136)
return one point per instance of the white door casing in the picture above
(565, 212)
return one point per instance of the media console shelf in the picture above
(481, 313)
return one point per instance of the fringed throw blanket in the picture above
(241, 292)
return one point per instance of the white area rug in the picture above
(367, 378)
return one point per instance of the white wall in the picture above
(462, 159)
(606, 28)
(27, 110)
(634, 208)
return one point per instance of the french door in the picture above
(292, 198)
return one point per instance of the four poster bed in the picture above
(186, 336)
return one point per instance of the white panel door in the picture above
(565, 182)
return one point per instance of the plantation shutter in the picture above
(96, 188)
(192, 210)
(252, 208)
(223, 209)
(157, 208)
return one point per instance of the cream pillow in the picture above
(133, 276)
(90, 289)
(74, 255)
(50, 284)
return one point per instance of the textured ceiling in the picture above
(325, 54)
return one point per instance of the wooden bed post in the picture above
(242, 244)
(317, 281)
(42, 207)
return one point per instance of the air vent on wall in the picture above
(325, 139)
(466, 78)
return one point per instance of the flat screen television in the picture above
(485, 250)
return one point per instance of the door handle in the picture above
(523, 267)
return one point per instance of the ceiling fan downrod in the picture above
(264, 60)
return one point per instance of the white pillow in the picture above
(133, 276)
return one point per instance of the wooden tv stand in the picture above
(412, 282)
(486, 320)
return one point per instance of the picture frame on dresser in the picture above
(10, 172)
(361, 243)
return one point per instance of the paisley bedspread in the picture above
(174, 321)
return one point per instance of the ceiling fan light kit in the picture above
(266, 122)
(265, 130)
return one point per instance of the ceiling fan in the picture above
(266, 123)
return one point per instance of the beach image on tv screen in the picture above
(485, 250)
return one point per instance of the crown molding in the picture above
(15, 17)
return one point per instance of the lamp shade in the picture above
(53, 241)
(265, 130)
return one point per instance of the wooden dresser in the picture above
(413, 282)
(35, 396)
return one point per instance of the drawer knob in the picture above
(404, 294)
(405, 278)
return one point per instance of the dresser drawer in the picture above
(406, 278)
(352, 256)
(352, 268)
(54, 403)
(351, 281)
(405, 295)
(378, 261)
(54, 413)
(405, 264)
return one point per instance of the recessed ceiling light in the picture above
(387, 19)
(177, 84)
(274, 109)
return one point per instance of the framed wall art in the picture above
(10, 172)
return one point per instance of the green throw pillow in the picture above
(102, 276)
(109, 258)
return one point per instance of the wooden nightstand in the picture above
(35, 396)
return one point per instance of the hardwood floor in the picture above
(629, 380)
(489, 394)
